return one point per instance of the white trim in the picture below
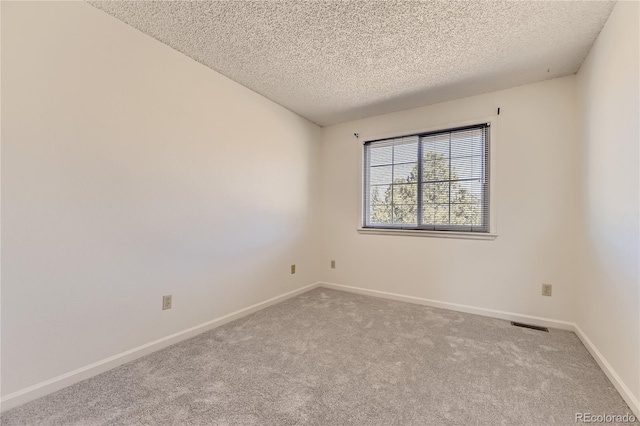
(493, 121)
(48, 386)
(608, 370)
(493, 313)
(428, 233)
(622, 389)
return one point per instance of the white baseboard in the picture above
(48, 386)
(617, 382)
(620, 386)
(510, 316)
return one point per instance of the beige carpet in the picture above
(333, 358)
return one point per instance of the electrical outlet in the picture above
(546, 289)
(166, 302)
(293, 269)
(333, 264)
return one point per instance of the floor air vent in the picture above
(532, 327)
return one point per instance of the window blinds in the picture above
(431, 181)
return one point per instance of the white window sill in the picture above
(427, 233)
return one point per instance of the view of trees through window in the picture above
(453, 181)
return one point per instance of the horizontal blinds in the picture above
(437, 181)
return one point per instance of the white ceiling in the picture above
(334, 61)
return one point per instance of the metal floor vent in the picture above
(532, 327)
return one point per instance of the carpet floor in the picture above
(328, 357)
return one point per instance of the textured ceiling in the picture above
(335, 61)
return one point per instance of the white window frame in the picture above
(493, 173)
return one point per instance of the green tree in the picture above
(443, 203)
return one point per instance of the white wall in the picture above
(130, 171)
(608, 285)
(535, 204)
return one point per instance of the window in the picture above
(436, 181)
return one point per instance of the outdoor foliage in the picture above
(465, 205)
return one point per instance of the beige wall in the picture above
(608, 285)
(130, 171)
(535, 203)
(567, 205)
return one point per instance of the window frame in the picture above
(445, 231)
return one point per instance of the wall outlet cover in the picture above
(166, 302)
